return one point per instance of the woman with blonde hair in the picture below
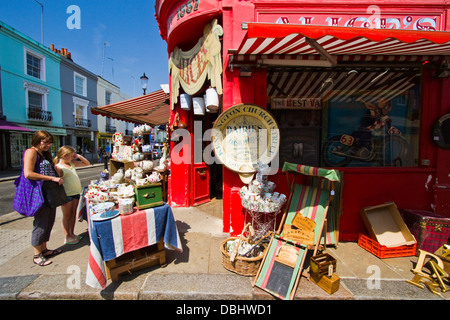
(37, 165)
(67, 160)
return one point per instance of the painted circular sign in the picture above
(441, 131)
(244, 135)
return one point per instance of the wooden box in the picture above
(114, 165)
(329, 284)
(322, 263)
(136, 260)
(148, 196)
(386, 226)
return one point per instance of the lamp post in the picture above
(42, 20)
(144, 81)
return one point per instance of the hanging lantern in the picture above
(185, 101)
(212, 100)
(199, 105)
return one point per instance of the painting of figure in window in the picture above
(372, 130)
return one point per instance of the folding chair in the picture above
(281, 267)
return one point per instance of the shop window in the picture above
(22, 141)
(19, 143)
(347, 117)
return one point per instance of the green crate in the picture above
(149, 195)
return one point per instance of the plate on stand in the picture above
(105, 215)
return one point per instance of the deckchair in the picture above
(280, 272)
(329, 184)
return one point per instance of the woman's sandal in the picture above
(43, 261)
(51, 253)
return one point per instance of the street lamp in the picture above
(144, 81)
(42, 20)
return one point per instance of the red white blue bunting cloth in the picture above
(126, 233)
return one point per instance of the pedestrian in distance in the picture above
(106, 156)
(39, 156)
(100, 155)
(67, 160)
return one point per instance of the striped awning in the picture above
(10, 126)
(330, 42)
(342, 85)
(152, 108)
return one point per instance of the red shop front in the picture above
(354, 87)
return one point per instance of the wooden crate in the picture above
(329, 284)
(136, 260)
(148, 196)
(114, 165)
(321, 263)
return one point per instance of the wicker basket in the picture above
(241, 265)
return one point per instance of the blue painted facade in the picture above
(22, 86)
(78, 96)
(14, 47)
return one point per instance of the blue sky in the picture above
(129, 26)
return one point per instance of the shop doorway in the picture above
(207, 178)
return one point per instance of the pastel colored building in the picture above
(30, 92)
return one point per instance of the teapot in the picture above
(128, 173)
(118, 176)
(138, 173)
(147, 165)
(141, 181)
(138, 156)
(154, 177)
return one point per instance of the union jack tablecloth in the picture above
(126, 233)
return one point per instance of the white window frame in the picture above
(37, 55)
(29, 86)
(75, 75)
(80, 102)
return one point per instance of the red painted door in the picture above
(201, 184)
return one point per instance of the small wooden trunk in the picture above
(321, 263)
(430, 229)
(329, 284)
(148, 196)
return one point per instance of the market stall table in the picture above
(113, 238)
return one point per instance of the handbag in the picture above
(28, 198)
(54, 194)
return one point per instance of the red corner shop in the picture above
(319, 67)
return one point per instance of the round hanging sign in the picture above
(244, 135)
(441, 131)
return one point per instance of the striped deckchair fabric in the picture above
(276, 278)
(312, 203)
(327, 179)
(335, 206)
(279, 279)
(329, 174)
